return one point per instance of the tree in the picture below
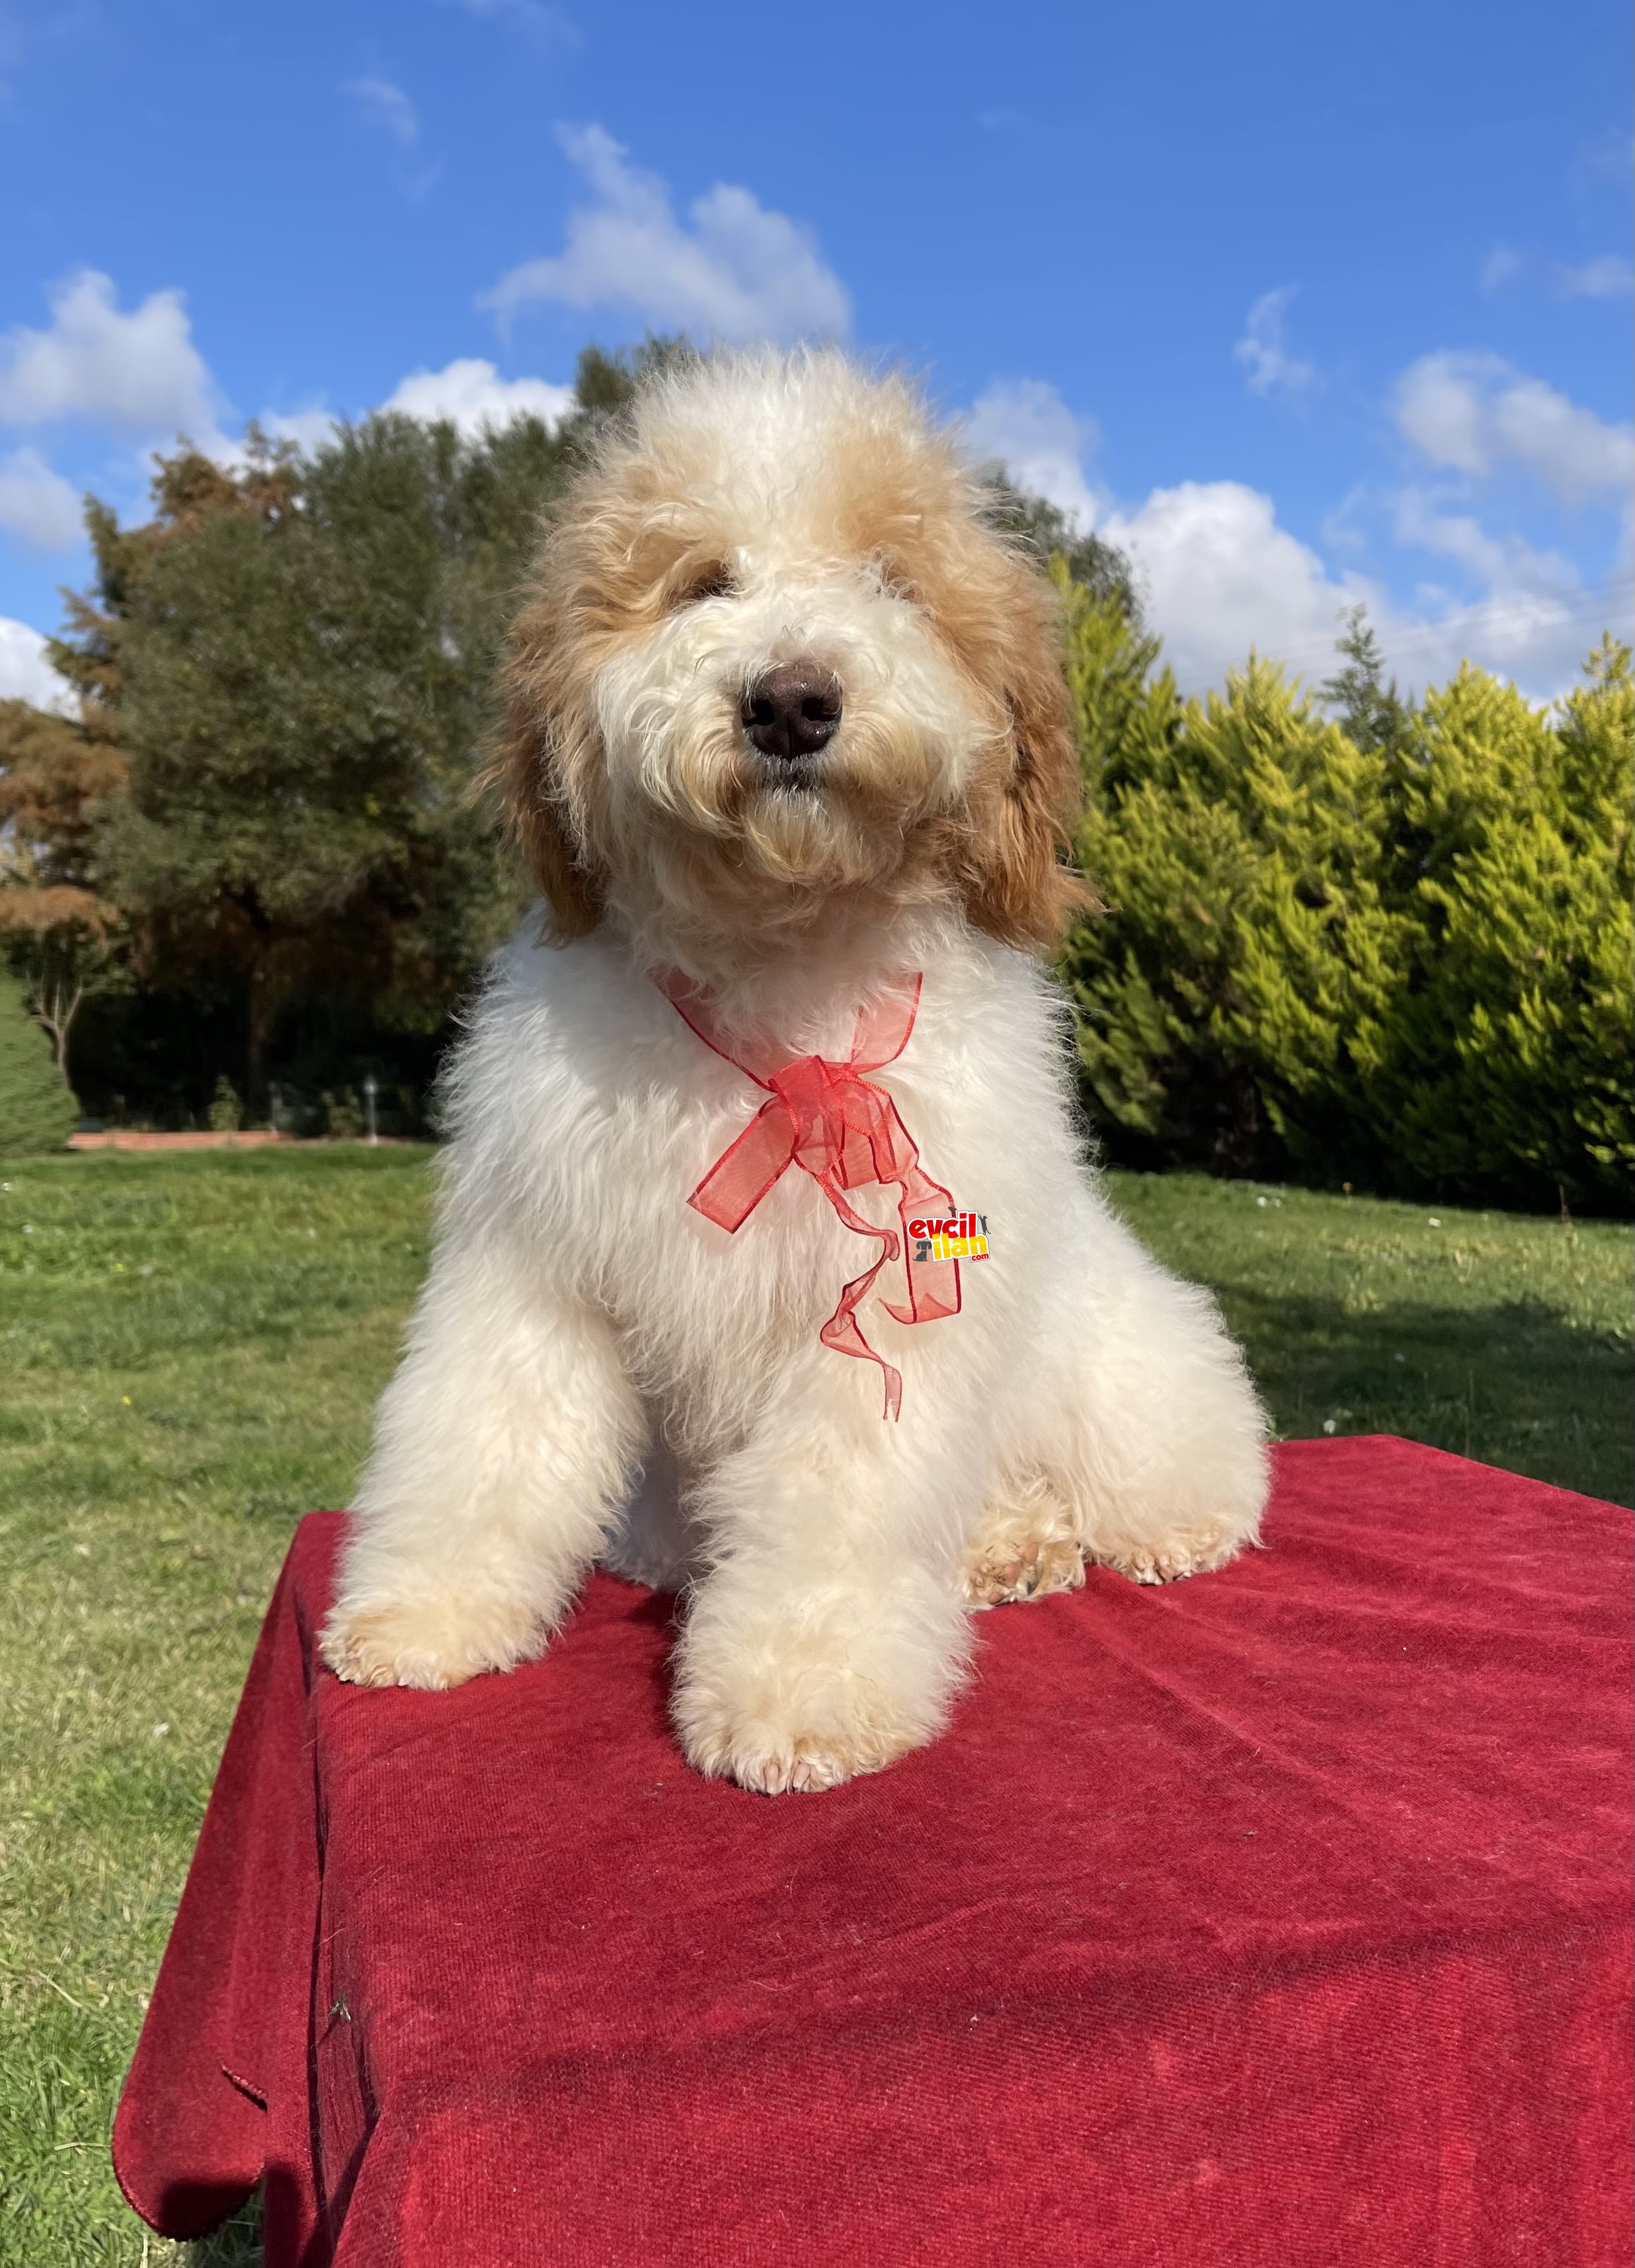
(604, 383)
(1124, 714)
(36, 1109)
(59, 935)
(297, 656)
(1373, 713)
(1093, 565)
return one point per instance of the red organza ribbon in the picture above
(827, 1119)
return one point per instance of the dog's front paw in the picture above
(781, 1710)
(432, 1643)
(1167, 1557)
(774, 1751)
(1027, 1547)
(999, 1572)
(788, 1684)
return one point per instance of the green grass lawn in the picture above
(190, 1345)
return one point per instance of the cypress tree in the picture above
(1510, 1060)
(1231, 998)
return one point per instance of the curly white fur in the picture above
(582, 1325)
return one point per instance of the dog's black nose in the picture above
(792, 712)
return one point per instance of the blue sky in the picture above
(1299, 303)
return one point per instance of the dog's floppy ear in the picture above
(1012, 879)
(526, 764)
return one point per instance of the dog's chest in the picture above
(679, 1278)
(623, 1114)
(685, 1162)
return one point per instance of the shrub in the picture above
(344, 1116)
(227, 1114)
(1230, 997)
(1511, 1059)
(1400, 955)
(37, 1111)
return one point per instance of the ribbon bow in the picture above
(831, 1121)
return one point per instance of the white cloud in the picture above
(1218, 574)
(24, 673)
(1536, 639)
(37, 504)
(308, 428)
(471, 393)
(1501, 266)
(1609, 277)
(388, 107)
(1609, 162)
(1221, 576)
(1534, 621)
(1271, 368)
(1476, 413)
(739, 272)
(139, 373)
(1507, 563)
(1026, 426)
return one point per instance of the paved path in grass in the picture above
(124, 1137)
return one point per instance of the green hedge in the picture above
(1408, 963)
(37, 1112)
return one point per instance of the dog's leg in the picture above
(829, 1637)
(1153, 1434)
(503, 1448)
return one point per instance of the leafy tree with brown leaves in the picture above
(60, 936)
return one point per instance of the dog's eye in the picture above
(714, 581)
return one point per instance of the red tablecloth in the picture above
(1279, 1918)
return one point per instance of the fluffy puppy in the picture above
(786, 731)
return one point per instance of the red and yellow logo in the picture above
(963, 1236)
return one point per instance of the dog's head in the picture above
(777, 666)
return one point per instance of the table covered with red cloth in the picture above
(1277, 1917)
